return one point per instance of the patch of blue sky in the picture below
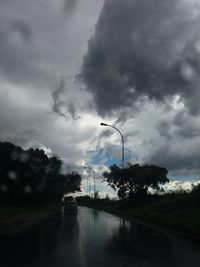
(101, 157)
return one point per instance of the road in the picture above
(97, 239)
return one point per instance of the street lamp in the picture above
(85, 167)
(104, 124)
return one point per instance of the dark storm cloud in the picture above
(38, 44)
(13, 55)
(23, 137)
(175, 160)
(182, 125)
(105, 134)
(124, 114)
(130, 135)
(62, 108)
(98, 139)
(70, 6)
(187, 126)
(20, 61)
(178, 148)
(57, 102)
(148, 48)
(72, 110)
(163, 127)
(23, 28)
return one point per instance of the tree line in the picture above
(30, 175)
(135, 180)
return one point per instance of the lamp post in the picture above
(105, 124)
(85, 167)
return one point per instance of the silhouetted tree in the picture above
(96, 195)
(135, 179)
(196, 190)
(31, 174)
(71, 182)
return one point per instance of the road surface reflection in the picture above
(97, 239)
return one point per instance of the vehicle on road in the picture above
(70, 205)
(67, 198)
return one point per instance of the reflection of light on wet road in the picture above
(81, 252)
(97, 239)
(110, 241)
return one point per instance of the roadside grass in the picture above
(175, 211)
(180, 220)
(11, 212)
(180, 212)
(16, 214)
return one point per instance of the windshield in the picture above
(99, 133)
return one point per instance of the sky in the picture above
(68, 65)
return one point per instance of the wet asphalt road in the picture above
(97, 239)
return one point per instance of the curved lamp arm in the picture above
(105, 124)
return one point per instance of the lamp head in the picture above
(103, 124)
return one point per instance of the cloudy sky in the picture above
(67, 65)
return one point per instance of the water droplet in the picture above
(24, 157)
(4, 188)
(27, 189)
(187, 72)
(12, 175)
(27, 174)
(14, 155)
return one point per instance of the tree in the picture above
(72, 182)
(32, 175)
(96, 195)
(196, 189)
(135, 179)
